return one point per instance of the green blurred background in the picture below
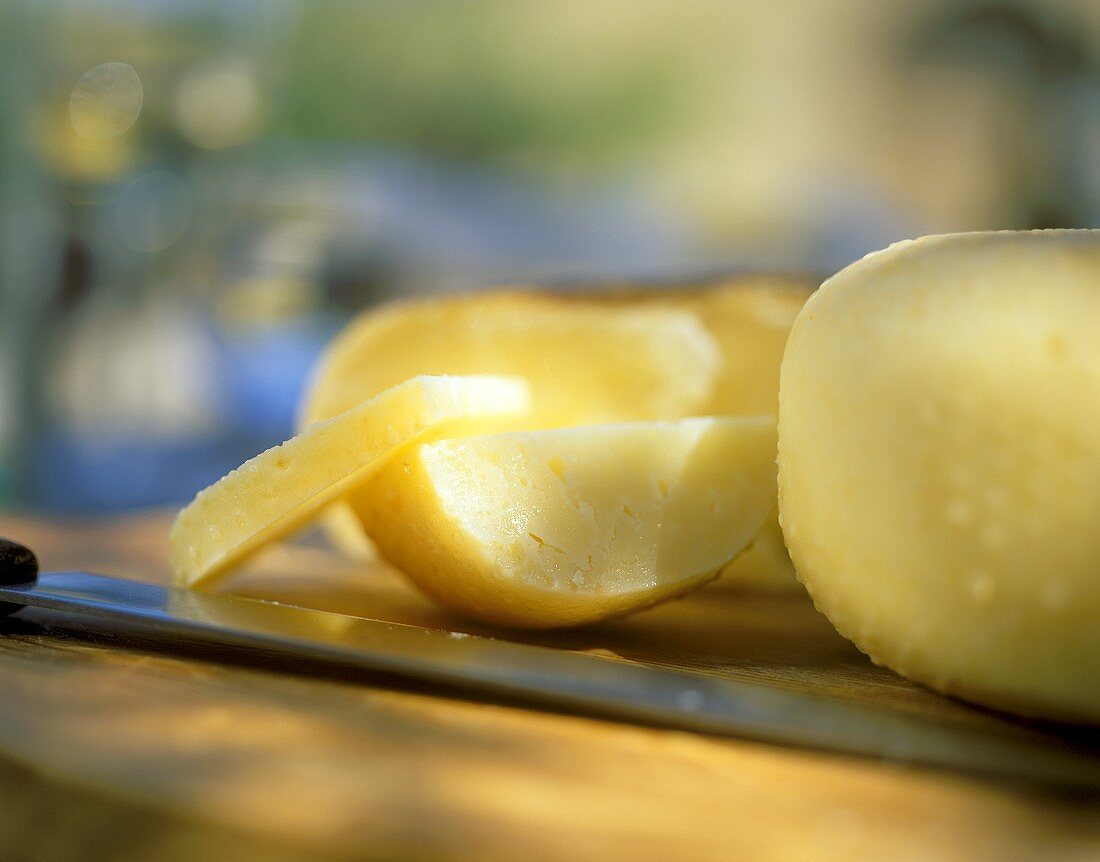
(194, 195)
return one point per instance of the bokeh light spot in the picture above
(106, 101)
(219, 106)
(153, 211)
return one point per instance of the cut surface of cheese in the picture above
(285, 487)
(939, 464)
(750, 317)
(566, 526)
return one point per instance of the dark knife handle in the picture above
(18, 565)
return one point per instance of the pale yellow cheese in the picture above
(285, 487)
(597, 354)
(584, 364)
(765, 565)
(749, 316)
(939, 463)
(566, 526)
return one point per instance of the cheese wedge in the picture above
(939, 464)
(584, 364)
(566, 526)
(702, 349)
(285, 487)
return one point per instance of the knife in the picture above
(550, 677)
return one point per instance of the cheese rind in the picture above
(749, 317)
(566, 526)
(939, 464)
(584, 364)
(283, 488)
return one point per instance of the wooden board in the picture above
(115, 751)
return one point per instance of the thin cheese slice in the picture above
(283, 488)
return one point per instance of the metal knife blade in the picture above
(565, 680)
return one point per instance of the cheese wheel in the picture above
(939, 464)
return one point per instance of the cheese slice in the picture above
(566, 526)
(285, 487)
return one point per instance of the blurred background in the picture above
(194, 195)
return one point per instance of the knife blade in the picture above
(551, 677)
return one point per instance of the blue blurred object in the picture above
(256, 379)
(77, 475)
(263, 375)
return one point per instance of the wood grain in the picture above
(114, 751)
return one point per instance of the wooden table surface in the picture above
(113, 749)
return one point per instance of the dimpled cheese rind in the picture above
(567, 526)
(939, 464)
(283, 488)
(584, 364)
